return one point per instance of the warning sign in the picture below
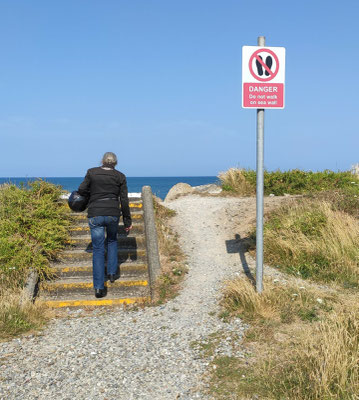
(263, 74)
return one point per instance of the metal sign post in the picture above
(263, 75)
(260, 191)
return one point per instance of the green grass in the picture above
(243, 181)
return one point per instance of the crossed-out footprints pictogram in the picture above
(268, 62)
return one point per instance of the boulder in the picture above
(211, 188)
(178, 190)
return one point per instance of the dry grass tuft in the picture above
(19, 315)
(240, 296)
(312, 240)
(277, 303)
(323, 365)
(234, 180)
(306, 343)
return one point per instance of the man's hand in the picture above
(128, 229)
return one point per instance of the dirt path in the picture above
(213, 232)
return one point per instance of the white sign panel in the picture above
(263, 77)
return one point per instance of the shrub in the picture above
(33, 228)
(243, 181)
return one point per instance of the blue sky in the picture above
(158, 82)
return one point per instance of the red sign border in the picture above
(251, 62)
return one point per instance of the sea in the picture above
(160, 184)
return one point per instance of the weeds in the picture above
(18, 315)
(173, 268)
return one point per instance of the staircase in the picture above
(72, 284)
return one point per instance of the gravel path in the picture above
(145, 354)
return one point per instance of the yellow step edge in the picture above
(82, 216)
(86, 228)
(103, 302)
(87, 268)
(86, 240)
(133, 205)
(131, 252)
(87, 285)
(136, 205)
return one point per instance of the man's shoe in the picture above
(112, 278)
(100, 293)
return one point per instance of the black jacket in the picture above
(107, 188)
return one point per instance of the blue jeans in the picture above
(98, 225)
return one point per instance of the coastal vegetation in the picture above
(33, 229)
(302, 342)
(243, 181)
(314, 239)
(173, 263)
(302, 334)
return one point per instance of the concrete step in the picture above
(72, 287)
(89, 300)
(134, 206)
(84, 269)
(83, 228)
(84, 242)
(80, 217)
(86, 255)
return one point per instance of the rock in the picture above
(178, 190)
(211, 188)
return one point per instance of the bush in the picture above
(243, 181)
(33, 228)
